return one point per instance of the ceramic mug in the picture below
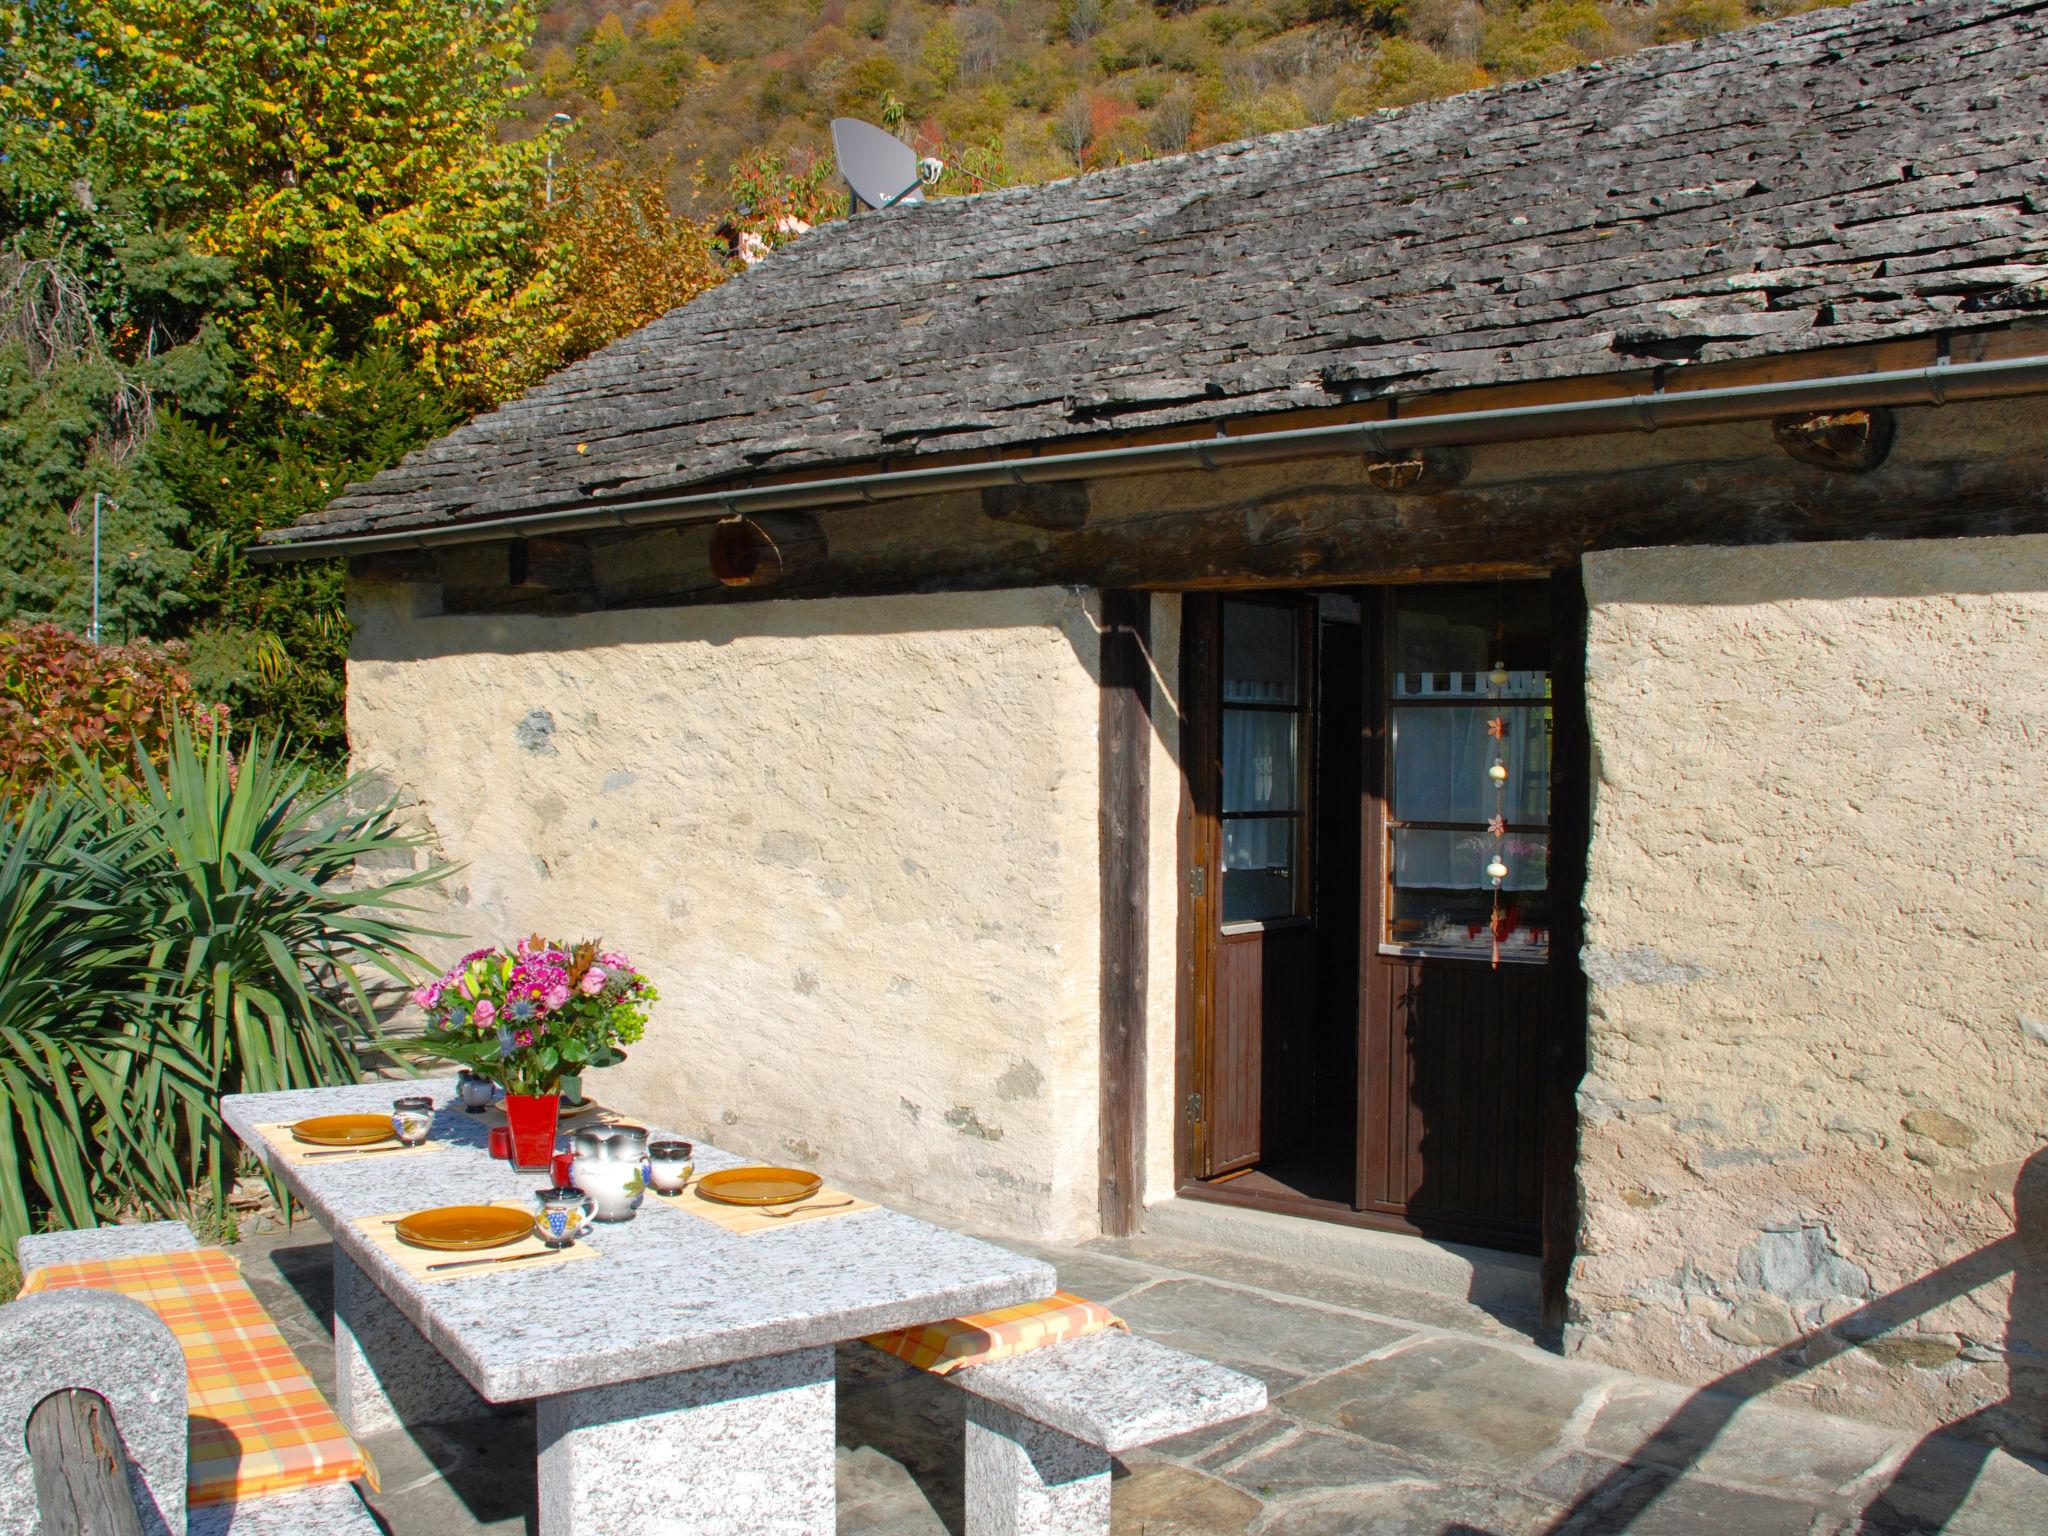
(616, 1187)
(412, 1117)
(561, 1214)
(476, 1092)
(668, 1165)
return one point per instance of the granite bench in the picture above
(112, 1345)
(1042, 1426)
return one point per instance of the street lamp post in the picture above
(559, 120)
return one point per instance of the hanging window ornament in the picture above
(1497, 824)
(1497, 871)
(1498, 772)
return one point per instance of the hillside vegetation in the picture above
(1009, 91)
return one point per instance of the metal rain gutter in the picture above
(1937, 384)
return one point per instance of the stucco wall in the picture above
(1819, 998)
(854, 841)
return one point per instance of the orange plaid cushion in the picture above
(963, 1341)
(258, 1424)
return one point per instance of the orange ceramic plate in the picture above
(465, 1226)
(759, 1186)
(344, 1130)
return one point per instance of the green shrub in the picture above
(1677, 20)
(195, 934)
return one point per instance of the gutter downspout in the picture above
(1937, 384)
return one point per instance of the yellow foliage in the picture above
(667, 24)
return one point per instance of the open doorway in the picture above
(1367, 917)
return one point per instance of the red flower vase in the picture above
(533, 1117)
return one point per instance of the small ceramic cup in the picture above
(412, 1117)
(476, 1091)
(501, 1142)
(561, 1214)
(669, 1166)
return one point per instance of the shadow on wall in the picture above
(1929, 1485)
(390, 629)
(1705, 576)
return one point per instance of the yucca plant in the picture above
(202, 931)
(70, 1065)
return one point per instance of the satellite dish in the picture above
(880, 169)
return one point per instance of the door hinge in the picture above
(1194, 1109)
(1198, 882)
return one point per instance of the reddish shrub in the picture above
(58, 691)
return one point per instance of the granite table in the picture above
(682, 1380)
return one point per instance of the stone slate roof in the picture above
(1845, 176)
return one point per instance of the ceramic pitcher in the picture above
(617, 1186)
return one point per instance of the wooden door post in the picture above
(1124, 740)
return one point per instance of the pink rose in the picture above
(428, 996)
(556, 996)
(486, 1014)
(593, 981)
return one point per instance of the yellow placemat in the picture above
(743, 1219)
(419, 1262)
(292, 1150)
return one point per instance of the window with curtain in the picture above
(1265, 700)
(1458, 660)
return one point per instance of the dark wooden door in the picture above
(1250, 747)
(1456, 994)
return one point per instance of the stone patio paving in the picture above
(1392, 1411)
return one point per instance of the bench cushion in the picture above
(958, 1342)
(258, 1425)
(1117, 1391)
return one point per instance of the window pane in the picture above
(1261, 654)
(1442, 898)
(1258, 869)
(1441, 756)
(1447, 641)
(1259, 765)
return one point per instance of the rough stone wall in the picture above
(854, 841)
(1818, 1095)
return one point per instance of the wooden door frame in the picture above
(1197, 839)
(1196, 846)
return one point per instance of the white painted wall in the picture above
(854, 841)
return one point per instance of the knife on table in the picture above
(503, 1258)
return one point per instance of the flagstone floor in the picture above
(1392, 1412)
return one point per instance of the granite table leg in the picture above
(743, 1449)
(1025, 1479)
(385, 1372)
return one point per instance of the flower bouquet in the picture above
(527, 1018)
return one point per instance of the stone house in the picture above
(1474, 672)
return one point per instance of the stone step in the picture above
(1505, 1283)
